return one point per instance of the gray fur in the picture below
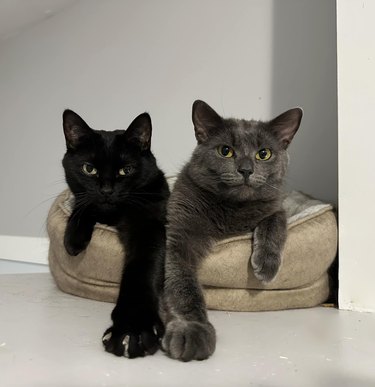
(212, 200)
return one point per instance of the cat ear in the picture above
(286, 125)
(75, 129)
(139, 131)
(206, 121)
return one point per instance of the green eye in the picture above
(89, 169)
(225, 151)
(264, 154)
(126, 171)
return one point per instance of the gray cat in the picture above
(231, 185)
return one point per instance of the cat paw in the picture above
(74, 247)
(265, 266)
(189, 340)
(131, 344)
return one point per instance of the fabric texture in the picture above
(228, 282)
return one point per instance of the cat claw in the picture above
(125, 343)
(106, 337)
(130, 345)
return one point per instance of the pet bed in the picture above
(301, 282)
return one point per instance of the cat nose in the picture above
(245, 172)
(106, 190)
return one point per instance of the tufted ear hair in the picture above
(139, 131)
(206, 121)
(286, 125)
(75, 129)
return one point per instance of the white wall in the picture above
(356, 102)
(111, 60)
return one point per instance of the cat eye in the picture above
(264, 154)
(225, 151)
(89, 169)
(126, 171)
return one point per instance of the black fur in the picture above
(128, 191)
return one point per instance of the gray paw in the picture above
(265, 265)
(189, 340)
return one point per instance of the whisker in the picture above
(53, 197)
(137, 201)
(276, 188)
(57, 182)
(78, 211)
(291, 179)
(142, 193)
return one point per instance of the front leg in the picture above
(189, 335)
(78, 231)
(136, 326)
(268, 243)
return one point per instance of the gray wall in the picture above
(111, 60)
(304, 74)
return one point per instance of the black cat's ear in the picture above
(206, 121)
(139, 131)
(286, 125)
(75, 129)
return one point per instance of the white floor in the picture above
(48, 338)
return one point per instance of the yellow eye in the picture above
(89, 169)
(264, 154)
(225, 151)
(126, 171)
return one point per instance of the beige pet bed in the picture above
(301, 282)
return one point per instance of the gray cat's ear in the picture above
(206, 121)
(139, 131)
(286, 125)
(75, 129)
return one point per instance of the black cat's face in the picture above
(103, 168)
(238, 158)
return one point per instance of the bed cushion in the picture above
(228, 285)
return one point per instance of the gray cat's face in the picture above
(241, 159)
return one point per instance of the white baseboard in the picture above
(24, 249)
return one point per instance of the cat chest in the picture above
(231, 221)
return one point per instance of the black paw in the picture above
(131, 344)
(265, 265)
(74, 246)
(189, 340)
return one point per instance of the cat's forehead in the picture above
(244, 127)
(249, 133)
(109, 146)
(109, 138)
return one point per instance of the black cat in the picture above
(115, 181)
